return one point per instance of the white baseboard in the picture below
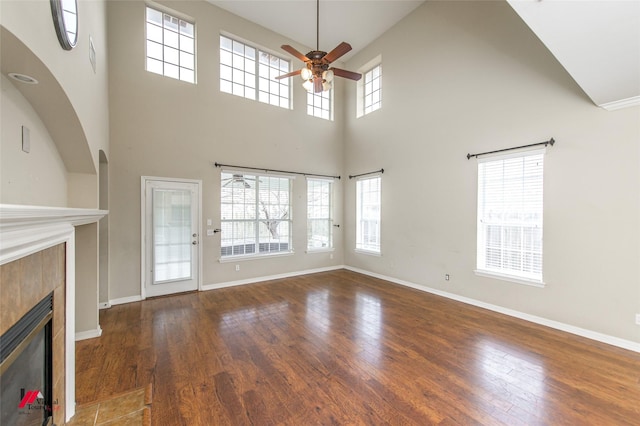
(270, 277)
(123, 300)
(89, 334)
(104, 305)
(589, 334)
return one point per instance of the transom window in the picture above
(256, 214)
(320, 104)
(250, 72)
(319, 214)
(510, 190)
(368, 191)
(373, 89)
(170, 46)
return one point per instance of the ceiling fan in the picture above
(317, 74)
(238, 178)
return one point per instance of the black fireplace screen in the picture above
(26, 368)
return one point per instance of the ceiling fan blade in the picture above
(289, 74)
(294, 52)
(317, 84)
(340, 50)
(346, 74)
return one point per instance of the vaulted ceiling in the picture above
(597, 41)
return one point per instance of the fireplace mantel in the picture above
(26, 230)
(13, 216)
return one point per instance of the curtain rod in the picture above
(545, 143)
(368, 173)
(216, 164)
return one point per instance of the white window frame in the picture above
(320, 104)
(372, 89)
(247, 70)
(319, 209)
(521, 216)
(362, 88)
(170, 48)
(253, 215)
(367, 207)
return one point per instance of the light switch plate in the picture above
(26, 139)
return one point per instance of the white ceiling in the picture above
(597, 41)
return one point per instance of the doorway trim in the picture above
(143, 227)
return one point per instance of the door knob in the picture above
(194, 242)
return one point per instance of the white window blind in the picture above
(510, 194)
(319, 214)
(256, 214)
(368, 214)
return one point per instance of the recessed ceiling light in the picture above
(23, 78)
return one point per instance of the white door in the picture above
(171, 233)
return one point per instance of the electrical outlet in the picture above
(237, 268)
(446, 277)
(638, 319)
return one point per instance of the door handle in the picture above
(215, 231)
(194, 242)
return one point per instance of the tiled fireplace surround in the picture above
(37, 257)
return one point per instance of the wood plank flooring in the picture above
(343, 348)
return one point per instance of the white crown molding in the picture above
(622, 103)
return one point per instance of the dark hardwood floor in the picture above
(343, 348)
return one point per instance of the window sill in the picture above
(243, 257)
(510, 278)
(320, 250)
(369, 252)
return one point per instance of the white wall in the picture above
(70, 104)
(31, 22)
(166, 128)
(35, 178)
(467, 77)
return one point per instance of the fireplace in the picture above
(26, 366)
(37, 259)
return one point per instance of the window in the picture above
(319, 104)
(319, 214)
(170, 46)
(373, 89)
(368, 214)
(510, 216)
(249, 72)
(256, 214)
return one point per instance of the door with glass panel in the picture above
(171, 236)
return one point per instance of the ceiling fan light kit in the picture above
(317, 75)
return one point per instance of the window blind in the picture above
(319, 214)
(368, 213)
(510, 212)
